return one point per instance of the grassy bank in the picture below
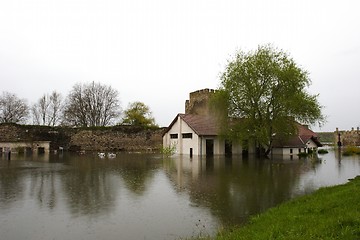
(329, 213)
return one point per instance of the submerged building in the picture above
(196, 132)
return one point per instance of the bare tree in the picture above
(40, 110)
(13, 109)
(91, 104)
(55, 108)
(47, 111)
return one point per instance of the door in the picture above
(209, 147)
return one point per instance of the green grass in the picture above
(329, 213)
(328, 137)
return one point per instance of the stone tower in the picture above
(198, 102)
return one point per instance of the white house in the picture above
(302, 142)
(197, 135)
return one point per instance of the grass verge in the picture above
(329, 213)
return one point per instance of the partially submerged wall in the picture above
(117, 138)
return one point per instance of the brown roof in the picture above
(299, 140)
(201, 125)
(207, 126)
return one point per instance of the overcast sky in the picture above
(159, 51)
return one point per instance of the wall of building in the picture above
(292, 153)
(16, 147)
(237, 148)
(182, 145)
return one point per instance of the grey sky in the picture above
(158, 51)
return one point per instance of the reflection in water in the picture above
(235, 188)
(88, 187)
(11, 184)
(137, 196)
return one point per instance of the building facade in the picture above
(193, 134)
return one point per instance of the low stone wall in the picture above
(117, 138)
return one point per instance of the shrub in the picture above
(303, 154)
(323, 151)
(351, 150)
(168, 151)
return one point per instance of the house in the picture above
(304, 141)
(197, 133)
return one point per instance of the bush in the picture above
(322, 151)
(168, 151)
(351, 150)
(303, 154)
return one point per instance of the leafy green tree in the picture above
(138, 114)
(266, 92)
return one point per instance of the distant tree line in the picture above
(87, 105)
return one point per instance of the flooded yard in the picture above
(147, 196)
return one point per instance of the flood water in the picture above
(147, 196)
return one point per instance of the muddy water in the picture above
(147, 196)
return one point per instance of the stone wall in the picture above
(347, 138)
(198, 102)
(117, 138)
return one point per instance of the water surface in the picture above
(147, 196)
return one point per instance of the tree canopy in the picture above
(13, 109)
(91, 104)
(138, 114)
(266, 91)
(48, 109)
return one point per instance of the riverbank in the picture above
(329, 213)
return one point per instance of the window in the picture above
(187, 135)
(174, 136)
(291, 151)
